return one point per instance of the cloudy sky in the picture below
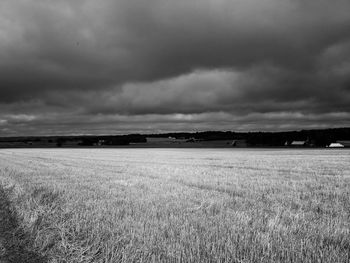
(120, 66)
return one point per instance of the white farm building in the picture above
(336, 145)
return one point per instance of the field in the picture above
(174, 205)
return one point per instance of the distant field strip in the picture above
(178, 205)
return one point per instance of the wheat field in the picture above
(174, 205)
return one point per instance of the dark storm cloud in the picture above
(70, 64)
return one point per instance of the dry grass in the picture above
(181, 205)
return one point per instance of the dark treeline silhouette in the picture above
(318, 138)
(312, 138)
(104, 140)
(90, 140)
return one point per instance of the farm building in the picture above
(239, 143)
(298, 143)
(336, 145)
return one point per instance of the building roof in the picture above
(336, 145)
(298, 143)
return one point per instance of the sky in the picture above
(135, 66)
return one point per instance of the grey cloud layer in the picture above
(83, 58)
